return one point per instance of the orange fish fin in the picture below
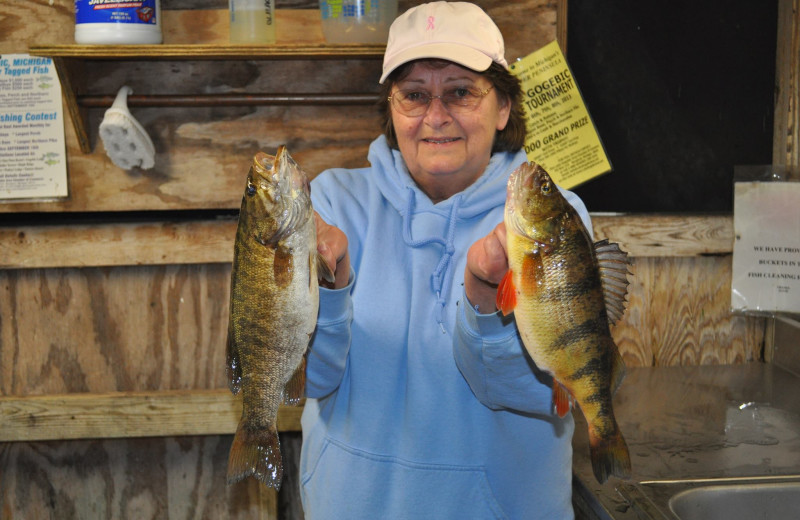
(324, 271)
(232, 364)
(506, 294)
(533, 270)
(613, 265)
(256, 452)
(610, 457)
(617, 370)
(561, 399)
(295, 389)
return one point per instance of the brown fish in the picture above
(273, 309)
(564, 291)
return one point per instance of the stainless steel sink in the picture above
(770, 501)
(768, 498)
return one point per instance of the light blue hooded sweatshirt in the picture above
(419, 407)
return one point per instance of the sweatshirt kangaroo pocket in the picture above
(349, 483)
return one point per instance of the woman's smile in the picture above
(447, 150)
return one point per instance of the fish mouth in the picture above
(524, 187)
(287, 167)
(285, 195)
(295, 190)
(527, 176)
(520, 178)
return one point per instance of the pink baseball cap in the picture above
(455, 31)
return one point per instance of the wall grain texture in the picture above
(202, 154)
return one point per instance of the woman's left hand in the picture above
(332, 245)
(487, 262)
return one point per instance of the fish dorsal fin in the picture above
(613, 266)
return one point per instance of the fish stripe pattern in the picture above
(564, 292)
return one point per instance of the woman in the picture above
(422, 402)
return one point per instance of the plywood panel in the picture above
(163, 327)
(113, 329)
(679, 314)
(179, 477)
(786, 149)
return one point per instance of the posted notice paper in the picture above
(561, 135)
(33, 159)
(766, 251)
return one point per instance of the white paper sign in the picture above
(33, 159)
(766, 253)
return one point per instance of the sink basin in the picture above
(773, 501)
(752, 498)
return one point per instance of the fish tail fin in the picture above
(506, 294)
(295, 389)
(610, 457)
(256, 453)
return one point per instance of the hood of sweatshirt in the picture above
(400, 190)
(399, 187)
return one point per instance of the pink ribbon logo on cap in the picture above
(430, 26)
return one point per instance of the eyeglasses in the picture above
(415, 102)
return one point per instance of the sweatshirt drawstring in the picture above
(441, 279)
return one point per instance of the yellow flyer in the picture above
(561, 135)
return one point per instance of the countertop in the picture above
(698, 422)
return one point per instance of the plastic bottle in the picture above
(252, 21)
(357, 21)
(118, 21)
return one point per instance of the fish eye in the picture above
(251, 189)
(546, 188)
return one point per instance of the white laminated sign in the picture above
(33, 161)
(766, 251)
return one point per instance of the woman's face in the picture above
(446, 152)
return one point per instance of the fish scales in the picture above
(273, 309)
(557, 291)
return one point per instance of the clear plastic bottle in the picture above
(119, 22)
(357, 21)
(252, 21)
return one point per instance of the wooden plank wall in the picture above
(107, 306)
(150, 327)
(202, 154)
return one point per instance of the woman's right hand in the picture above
(332, 246)
(487, 262)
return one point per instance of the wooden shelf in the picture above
(119, 415)
(211, 241)
(117, 244)
(70, 63)
(211, 52)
